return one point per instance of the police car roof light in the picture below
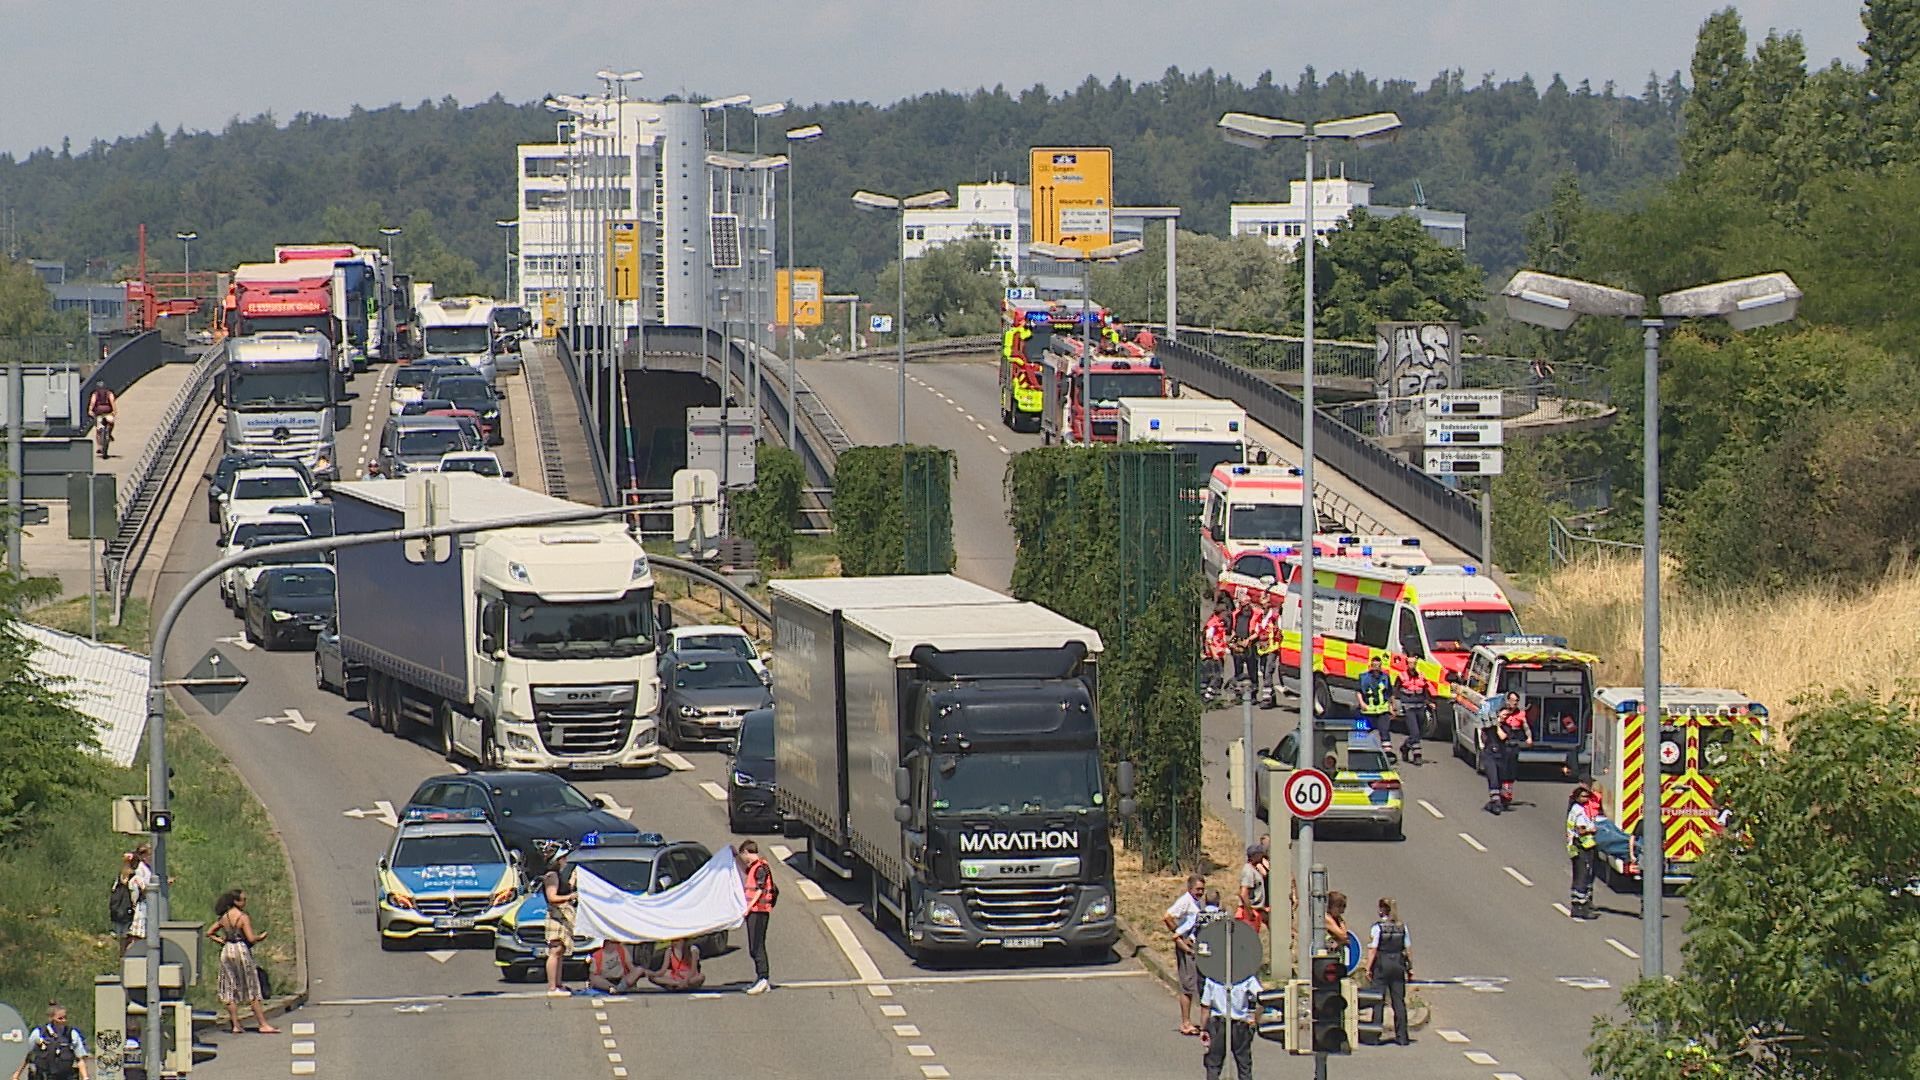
(1293, 470)
(1232, 425)
(1469, 569)
(434, 813)
(591, 839)
(1240, 470)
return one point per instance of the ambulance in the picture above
(1697, 726)
(1251, 574)
(1422, 618)
(1248, 509)
(1556, 687)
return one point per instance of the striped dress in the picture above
(239, 978)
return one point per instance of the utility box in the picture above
(95, 518)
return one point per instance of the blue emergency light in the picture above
(1367, 550)
(1362, 724)
(1153, 425)
(592, 839)
(1232, 425)
(433, 813)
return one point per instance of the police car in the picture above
(447, 875)
(1366, 788)
(639, 863)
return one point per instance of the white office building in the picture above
(1284, 223)
(999, 211)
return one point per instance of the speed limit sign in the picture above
(1308, 793)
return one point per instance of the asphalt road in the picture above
(849, 1004)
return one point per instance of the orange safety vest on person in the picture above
(760, 886)
(1214, 638)
(1266, 629)
(679, 966)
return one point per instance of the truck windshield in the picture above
(593, 630)
(1108, 389)
(308, 388)
(1250, 523)
(306, 324)
(1456, 631)
(458, 339)
(455, 850)
(1055, 781)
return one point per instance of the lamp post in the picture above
(795, 136)
(706, 281)
(1086, 259)
(1745, 304)
(186, 259)
(507, 228)
(751, 256)
(868, 200)
(391, 232)
(770, 110)
(721, 105)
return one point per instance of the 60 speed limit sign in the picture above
(1308, 793)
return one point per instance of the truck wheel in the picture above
(443, 730)
(1430, 726)
(389, 706)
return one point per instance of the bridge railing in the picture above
(156, 471)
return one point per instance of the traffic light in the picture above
(181, 1048)
(1330, 1005)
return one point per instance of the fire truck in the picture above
(1696, 728)
(1067, 379)
(1021, 396)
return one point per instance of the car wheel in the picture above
(669, 734)
(319, 674)
(252, 638)
(733, 819)
(1396, 831)
(443, 729)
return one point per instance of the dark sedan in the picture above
(750, 787)
(703, 695)
(220, 479)
(524, 807)
(473, 392)
(331, 668)
(289, 604)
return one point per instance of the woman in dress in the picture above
(239, 978)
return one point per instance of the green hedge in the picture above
(876, 530)
(768, 512)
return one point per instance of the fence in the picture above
(1566, 545)
(155, 472)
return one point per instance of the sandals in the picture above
(1189, 1029)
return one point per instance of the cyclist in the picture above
(102, 406)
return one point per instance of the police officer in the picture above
(1580, 850)
(1376, 700)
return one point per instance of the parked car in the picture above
(289, 604)
(415, 444)
(527, 807)
(331, 668)
(703, 695)
(220, 479)
(750, 777)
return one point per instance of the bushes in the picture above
(768, 512)
(879, 532)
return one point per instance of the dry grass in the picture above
(1776, 647)
(1145, 897)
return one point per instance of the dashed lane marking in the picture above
(1431, 809)
(714, 790)
(1481, 1057)
(992, 439)
(907, 1031)
(304, 1048)
(303, 1068)
(1452, 1036)
(1004, 450)
(1563, 909)
(875, 989)
(676, 762)
(1622, 949)
(892, 1011)
(1518, 876)
(1472, 843)
(302, 1028)
(934, 1072)
(812, 891)
(781, 851)
(978, 424)
(1508, 1076)
(920, 1050)
(856, 953)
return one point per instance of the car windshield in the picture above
(423, 406)
(449, 850)
(756, 736)
(1108, 389)
(485, 466)
(412, 376)
(1253, 522)
(458, 339)
(1057, 781)
(1366, 761)
(627, 875)
(430, 442)
(269, 487)
(532, 797)
(736, 644)
(1455, 631)
(309, 582)
(249, 533)
(538, 630)
(714, 675)
(266, 555)
(462, 389)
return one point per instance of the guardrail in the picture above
(602, 471)
(154, 473)
(1446, 512)
(925, 350)
(1565, 546)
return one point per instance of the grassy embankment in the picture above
(55, 875)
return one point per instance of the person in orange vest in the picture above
(1145, 339)
(762, 894)
(679, 967)
(1266, 643)
(1213, 652)
(1415, 694)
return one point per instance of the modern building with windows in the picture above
(1284, 223)
(999, 211)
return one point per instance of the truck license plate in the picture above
(1023, 943)
(453, 922)
(588, 766)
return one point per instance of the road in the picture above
(849, 1004)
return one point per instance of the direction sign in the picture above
(13, 1039)
(623, 258)
(1465, 432)
(1308, 793)
(214, 682)
(1464, 462)
(1463, 403)
(880, 324)
(1072, 195)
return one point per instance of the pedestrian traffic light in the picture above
(1330, 1005)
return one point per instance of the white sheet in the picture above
(714, 898)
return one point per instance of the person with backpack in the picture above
(55, 1049)
(239, 981)
(120, 905)
(561, 901)
(762, 894)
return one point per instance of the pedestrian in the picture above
(55, 1049)
(1232, 1012)
(1490, 762)
(239, 982)
(679, 968)
(1376, 699)
(1339, 937)
(1253, 888)
(1213, 652)
(1246, 673)
(122, 907)
(1515, 731)
(140, 885)
(1183, 921)
(1415, 697)
(1266, 644)
(1581, 844)
(762, 894)
(562, 902)
(1389, 964)
(611, 970)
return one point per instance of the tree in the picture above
(1238, 282)
(1802, 956)
(25, 305)
(1893, 41)
(1387, 269)
(1720, 77)
(953, 290)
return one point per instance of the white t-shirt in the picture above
(1185, 912)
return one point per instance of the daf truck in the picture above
(280, 393)
(938, 743)
(527, 648)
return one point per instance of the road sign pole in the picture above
(1486, 522)
(1249, 762)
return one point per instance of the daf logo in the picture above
(1018, 869)
(581, 695)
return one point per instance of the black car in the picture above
(703, 695)
(472, 392)
(525, 807)
(220, 480)
(750, 789)
(289, 604)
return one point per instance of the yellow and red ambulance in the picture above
(1696, 728)
(1249, 509)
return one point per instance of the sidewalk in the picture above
(45, 550)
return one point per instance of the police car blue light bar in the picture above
(434, 813)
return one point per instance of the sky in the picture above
(100, 69)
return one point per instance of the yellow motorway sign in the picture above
(807, 289)
(549, 313)
(623, 259)
(1073, 196)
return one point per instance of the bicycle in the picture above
(103, 433)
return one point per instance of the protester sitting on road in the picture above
(679, 967)
(611, 969)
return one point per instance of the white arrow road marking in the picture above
(291, 718)
(443, 955)
(624, 813)
(714, 790)
(1585, 982)
(382, 812)
(237, 639)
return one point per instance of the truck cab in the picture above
(1069, 378)
(1556, 687)
(280, 393)
(461, 327)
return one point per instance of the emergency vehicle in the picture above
(1250, 574)
(1366, 787)
(1020, 393)
(1422, 618)
(1248, 509)
(446, 875)
(1066, 379)
(1696, 728)
(1214, 432)
(1556, 688)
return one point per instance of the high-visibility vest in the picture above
(1215, 638)
(1375, 689)
(1266, 630)
(1580, 829)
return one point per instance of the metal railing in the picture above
(1566, 545)
(925, 350)
(154, 473)
(602, 469)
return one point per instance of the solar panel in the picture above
(725, 243)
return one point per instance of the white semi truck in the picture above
(528, 648)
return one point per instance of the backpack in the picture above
(120, 904)
(53, 1057)
(767, 883)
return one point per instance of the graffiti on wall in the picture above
(1411, 359)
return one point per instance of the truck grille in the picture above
(434, 907)
(1020, 909)
(583, 729)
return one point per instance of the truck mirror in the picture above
(1123, 779)
(903, 813)
(663, 615)
(902, 786)
(1127, 806)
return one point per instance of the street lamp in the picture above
(872, 201)
(795, 136)
(1086, 259)
(770, 110)
(765, 166)
(1744, 304)
(507, 227)
(390, 232)
(186, 244)
(721, 105)
(1246, 129)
